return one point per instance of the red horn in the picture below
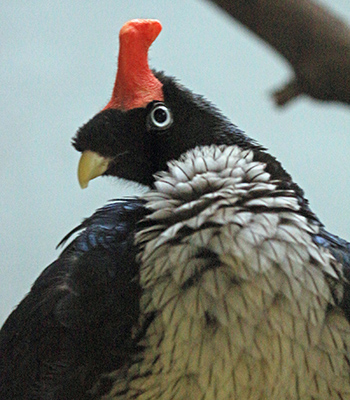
(135, 84)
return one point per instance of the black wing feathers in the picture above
(76, 321)
(340, 249)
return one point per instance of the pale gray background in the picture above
(58, 64)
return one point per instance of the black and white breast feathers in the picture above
(243, 302)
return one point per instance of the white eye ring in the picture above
(160, 117)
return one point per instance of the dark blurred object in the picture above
(314, 41)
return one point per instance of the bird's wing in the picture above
(340, 249)
(76, 322)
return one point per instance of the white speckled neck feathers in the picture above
(212, 178)
(244, 301)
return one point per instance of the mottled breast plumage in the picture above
(242, 299)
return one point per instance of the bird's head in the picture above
(150, 120)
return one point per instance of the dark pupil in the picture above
(160, 115)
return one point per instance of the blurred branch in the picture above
(314, 41)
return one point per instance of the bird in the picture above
(217, 283)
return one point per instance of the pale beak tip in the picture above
(83, 185)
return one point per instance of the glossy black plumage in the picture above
(139, 152)
(76, 321)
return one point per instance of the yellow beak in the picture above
(91, 165)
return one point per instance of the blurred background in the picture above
(58, 65)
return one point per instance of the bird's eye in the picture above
(159, 118)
